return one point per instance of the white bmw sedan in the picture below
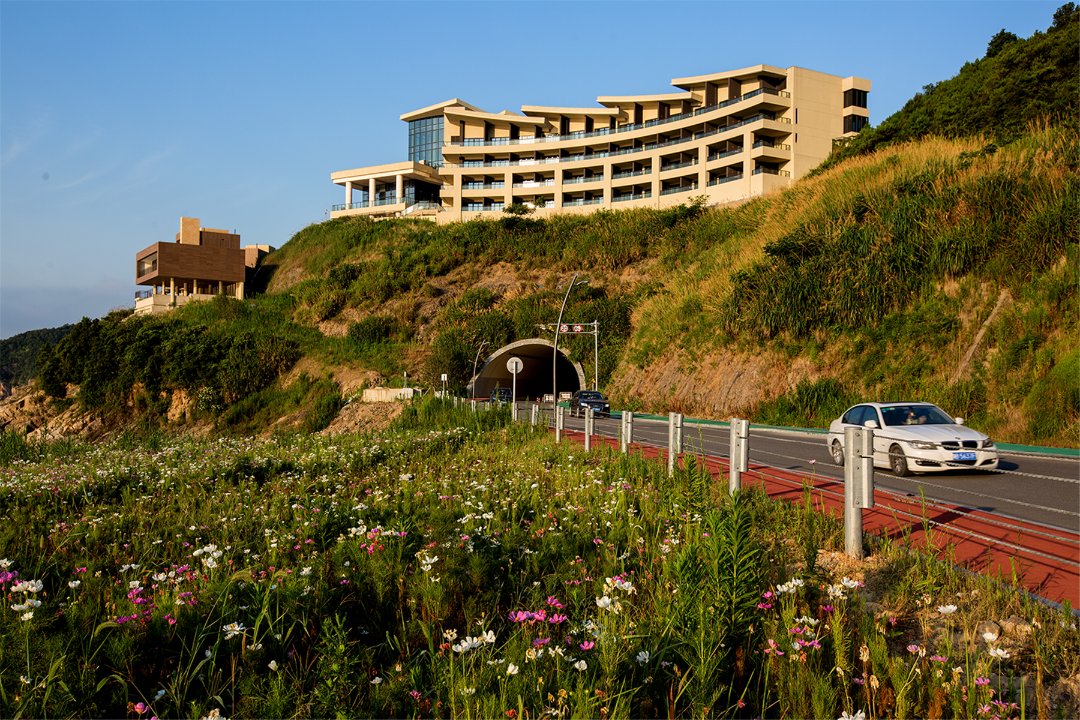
(915, 437)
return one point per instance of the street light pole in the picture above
(555, 351)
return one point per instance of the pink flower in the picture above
(554, 602)
(140, 707)
(587, 645)
(557, 619)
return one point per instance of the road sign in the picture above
(564, 328)
(578, 328)
(443, 378)
(514, 365)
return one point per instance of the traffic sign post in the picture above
(514, 365)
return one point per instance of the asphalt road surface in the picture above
(1036, 488)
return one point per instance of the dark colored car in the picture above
(501, 395)
(589, 399)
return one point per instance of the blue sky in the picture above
(116, 118)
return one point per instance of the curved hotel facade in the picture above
(728, 136)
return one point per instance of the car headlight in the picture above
(987, 443)
(922, 445)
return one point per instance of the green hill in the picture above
(921, 266)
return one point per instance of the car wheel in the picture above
(898, 462)
(837, 452)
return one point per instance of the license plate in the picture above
(963, 456)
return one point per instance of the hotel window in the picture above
(855, 97)
(855, 123)
(425, 141)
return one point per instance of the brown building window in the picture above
(855, 123)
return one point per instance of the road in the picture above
(1034, 488)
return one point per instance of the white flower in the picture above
(4, 564)
(512, 669)
(376, 680)
(134, 585)
(26, 616)
(989, 636)
(28, 586)
(850, 585)
(232, 630)
(74, 584)
(468, 692)
(272, 665)
(946, 609)
(209, 563)
(857, 716)
(305, 572)
(450, 635)
(643, 657)
(488, 637)
(999, 653)
(581, 665)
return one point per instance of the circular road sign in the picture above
(514, 365)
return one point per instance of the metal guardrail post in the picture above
(473, 403)
(533, 415)
(739, 453)
(588, 429)
(858, 485)
(675, 424)
(626, 437)
(559, 420)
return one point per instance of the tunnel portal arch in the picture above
(534, 380)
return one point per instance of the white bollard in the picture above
(739, 453)
(559, 420)
(675, 425)
(626, 437)
(588, 429)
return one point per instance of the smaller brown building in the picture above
(202, 263)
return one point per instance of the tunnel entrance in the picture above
(534, 380)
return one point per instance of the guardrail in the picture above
(962, 534)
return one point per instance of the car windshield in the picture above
(915, 415)
(591, 395)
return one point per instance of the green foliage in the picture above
(1018, 82)
(810, 404)
(370, 331)
(19, 354)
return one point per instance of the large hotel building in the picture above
(728, 136)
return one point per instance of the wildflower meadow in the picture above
(462, 566)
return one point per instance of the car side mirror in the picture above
(872, 424)
(959, 421)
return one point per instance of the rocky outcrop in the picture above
(28, 411)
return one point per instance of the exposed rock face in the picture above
(715, 385)
(360, 417)
(28, 411)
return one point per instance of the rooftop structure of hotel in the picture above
(728, 136)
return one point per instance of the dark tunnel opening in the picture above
(534, 381)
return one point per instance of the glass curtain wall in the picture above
(425, 141)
